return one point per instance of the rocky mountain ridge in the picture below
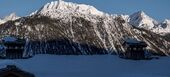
(69, 28)
(11, 17)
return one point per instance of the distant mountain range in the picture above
(61, 27)
(12, 17)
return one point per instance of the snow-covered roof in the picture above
(13, 39)
(9, 39)
(1, 47)
(135, 42)
(132, 41)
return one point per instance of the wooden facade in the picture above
(134, 49)
(14, 49)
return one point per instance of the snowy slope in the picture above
(163, 27)
(55, 8)
(125, 17)
(12, 17)
(141, 20)
(9, 39)
(91, 66)
(79, 29)
(2, 21)
(165, 24)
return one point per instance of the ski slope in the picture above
(91, 66)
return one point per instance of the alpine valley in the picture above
(66, 28)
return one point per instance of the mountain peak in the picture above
(165, 24)
(1, 21)
(166, 21)
(55, 7)
(141, 13)
(12, 16)
(141, 19)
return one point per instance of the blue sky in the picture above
(157, 9)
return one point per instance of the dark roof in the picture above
(135, 42)
(13, 40)
(13, 69)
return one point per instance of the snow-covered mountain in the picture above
(56, 9)
(163, 28)
(2, 21)
(62, 9)
(12, 17)
(166, 25)
(68, 28)
(141, 20)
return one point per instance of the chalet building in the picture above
(13, 71)
(13, 48)
(134, 49)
